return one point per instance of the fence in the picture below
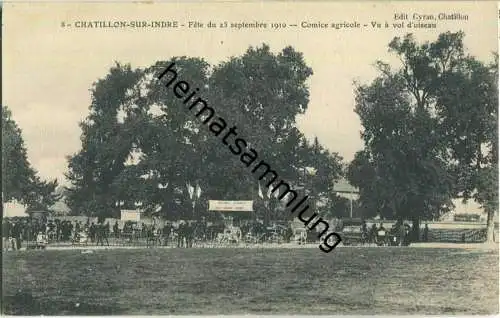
(456, 235)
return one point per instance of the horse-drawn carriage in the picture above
(131, 231)
(40, 242)
(352, 233)
(299, 235)
(231, 234)
(80, 238)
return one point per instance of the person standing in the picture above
(364, 232)
(402, 234)
(6, 228)
(107, 229)
(426, 233)
(58, 228)
(105, 233)
(166, 233)
(373, 233)
(180, 234)
(116, 230)
(92, 232)
(70, 229)
(189, 233)
(99, 233)
(16, 235)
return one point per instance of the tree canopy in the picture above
(19, 180)
(429, 129)
(132, 114)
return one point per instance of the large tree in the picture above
(260, 92)
(405, 175)
(429, 131)
(106, 143)
(19, 179)
(467, 103)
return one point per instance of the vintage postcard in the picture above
(250, 158)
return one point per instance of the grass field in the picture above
(255, 281)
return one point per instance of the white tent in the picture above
(14, 209)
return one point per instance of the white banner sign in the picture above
(130, 215)
(214, 205)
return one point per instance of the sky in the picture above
(48, 69)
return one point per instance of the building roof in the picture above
(343, 186)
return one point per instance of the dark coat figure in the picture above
(364, 233)
(26, 235)
(288, 234)
(152, 236)
(426, 233)
(51, 227)
(245, 229)
(58, 227)
(77, 227)
(107, 229)
(402, 234)
(128, 231)
(100, 232)
(16, 235)
(6, 228)
(166, 233)
(70, 230)
(63, 231)
(407, 235)
(181, 235)
(92, 232)
(116, 230)
(214, 230)
(189, 230)
(199, 230)
(373, 233)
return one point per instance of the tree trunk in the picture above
(490, 227)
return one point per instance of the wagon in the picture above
(230, 235)
(299, 236)
(80, 238)
(351, 232)
(40, 242)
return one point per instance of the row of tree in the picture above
(429, 130)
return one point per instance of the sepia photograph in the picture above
(250, 158)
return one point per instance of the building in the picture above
(13, 209)
(344, 189)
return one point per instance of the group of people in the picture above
(400, 230)
(182, 234)
(13, 232)
(58, 230)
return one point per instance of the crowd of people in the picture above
(15, 231)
